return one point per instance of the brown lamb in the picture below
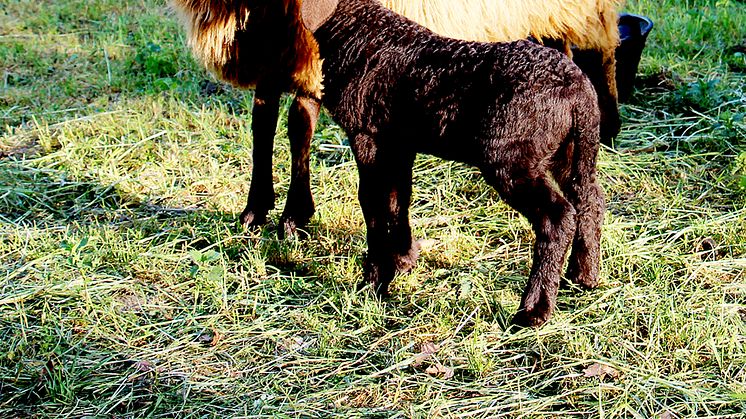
(524, 114)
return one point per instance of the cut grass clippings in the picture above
(127, 288)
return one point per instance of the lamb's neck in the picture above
(352, 37)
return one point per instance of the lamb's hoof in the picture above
(290, 228)
(251, 218)
(581, 279)
(407, 262)
(534, 318)
(382, 292)
(381, 289)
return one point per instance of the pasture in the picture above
(128, 289)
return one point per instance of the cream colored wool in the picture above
(212, 26)
(589, 24)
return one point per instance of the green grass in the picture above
(127, 288)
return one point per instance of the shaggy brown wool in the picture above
(525, 115)
(588, 25)
(253, 46)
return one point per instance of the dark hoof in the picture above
(407, 262)
(381, 291)
(587, 281)
(251, 218)
(290, 228)
(525, 318)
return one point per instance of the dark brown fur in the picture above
(525, 115)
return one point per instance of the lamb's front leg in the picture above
(263, 125)
(406, 250)
(374, 195)
(299, 207)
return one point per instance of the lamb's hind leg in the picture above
(299, 206)
(584, 263)
(580, 186)
(263, 125)
(553, 221)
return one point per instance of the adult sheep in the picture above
(273, 53)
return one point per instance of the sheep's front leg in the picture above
(299, 208)
(263, 125)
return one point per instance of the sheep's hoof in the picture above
(523, 320)
(250, 218)
(381, 291)
(580, 278)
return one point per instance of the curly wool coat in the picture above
(525, 115)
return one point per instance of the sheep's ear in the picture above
(315, 12)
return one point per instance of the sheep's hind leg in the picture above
(299, 206)
(263, 125)
(584, 262)
(553, 221)
(600, 68)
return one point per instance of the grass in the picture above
(127, 288)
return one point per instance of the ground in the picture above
(128, 289)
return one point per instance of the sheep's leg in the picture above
(263, 125)
(301, 123)
(406, 250)
(584, 261)
(553, 221)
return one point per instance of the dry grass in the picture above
(127, 289)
